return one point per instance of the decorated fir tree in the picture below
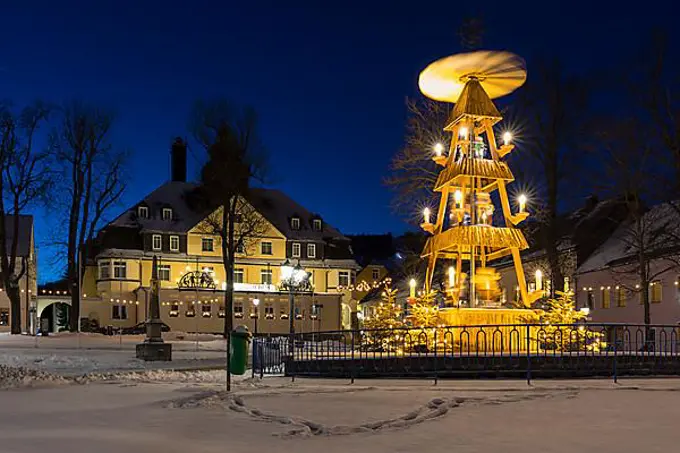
(378, 328)
(424, 311)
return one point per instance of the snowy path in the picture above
(555, 416)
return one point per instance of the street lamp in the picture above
(293, 278)
(256, 303)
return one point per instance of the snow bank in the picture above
(12, 377)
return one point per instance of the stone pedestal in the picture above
(154, 351)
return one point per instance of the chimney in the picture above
(178, 160)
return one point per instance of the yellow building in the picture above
(25, 257)
(116, 283)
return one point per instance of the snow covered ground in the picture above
(179, 415)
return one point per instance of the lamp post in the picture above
(256, 303)
(293, 278)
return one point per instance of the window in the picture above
(238, 310)
(343, 278)
(240, 248)
(238, 275)
(316, 224)
(311, 250)
(299, 313)
(375, 274)
(119, 269)
(167, 214)
(266, 276)
(143, 212)
(4, 316)
(655, 292)
(283, 311)
(620, 297)
(191, 311)
(295, 223)
(254, 313)
(156, 242)
(174, 243)
(567, 281)
(606, 297)
(119, 312)
(221, 313)
(316, 311)
(296, 250)
(266, 248)
(269, 311)
(206, 311)
(174, 311)
(590, 299)
(207, 245)
(104, 270)
(164, 272)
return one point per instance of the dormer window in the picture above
(167, 213)
(295, 223)
(316, 224)
(143, 212)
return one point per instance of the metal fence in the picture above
(501, 350)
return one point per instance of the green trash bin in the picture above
(240, 338)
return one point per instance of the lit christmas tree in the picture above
(387, 315)
(424, 311)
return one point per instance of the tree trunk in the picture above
(228, 260)
(14, 295)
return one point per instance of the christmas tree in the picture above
(424, 311)
(387, 316)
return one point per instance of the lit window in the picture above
(316, 224)
(207, 244)
(606, 297)
(119, 269)
(376, 274)
(104, 270)
(191, 311)
(269, 311)
(143, 212)
(283, 311)
(296, 250)
(655, 292)
(620, 297)
(266, 276)
(156, 242)
(238, 275)
(238, 310)
(206, 311)
(266, 248)
(311, 250)
(343, 278)
(174, 311)
(4, 316)
(295, 223)
(167, 214)
(174, 243)
(221, 313)
(164, 272)
(119, 312)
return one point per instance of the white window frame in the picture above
(295, 223)
(264, 272)
(240, 271)
(117, 265)
(105, 265)
(166, 213)
(164, 268)
(204, 240)
(145, 210)
(270, 246)
(342, 274)
(296, 250)
(311, 250)
(317, 225)
(155, 237)
(174, 239)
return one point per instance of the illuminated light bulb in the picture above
(463, 133)
(426, 215)
(458, 197)
(412, 285)
(539, 280)
(522, 199)
(452, 276)
(438, 149)
(484, 217)
(507, 138)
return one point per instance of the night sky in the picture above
(328, 79)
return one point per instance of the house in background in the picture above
(28, 283)
(162, 224)
(582, 232)
(608, 284)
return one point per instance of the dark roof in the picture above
(373, 248)
(25, 234)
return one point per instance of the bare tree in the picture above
(552, 107)
(92, 180)
(235, 159)
(24, 180)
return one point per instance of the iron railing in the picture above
(499, 350)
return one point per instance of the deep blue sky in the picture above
(328, 79)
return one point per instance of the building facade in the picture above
(164, 224)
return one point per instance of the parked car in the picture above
(141, 329)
